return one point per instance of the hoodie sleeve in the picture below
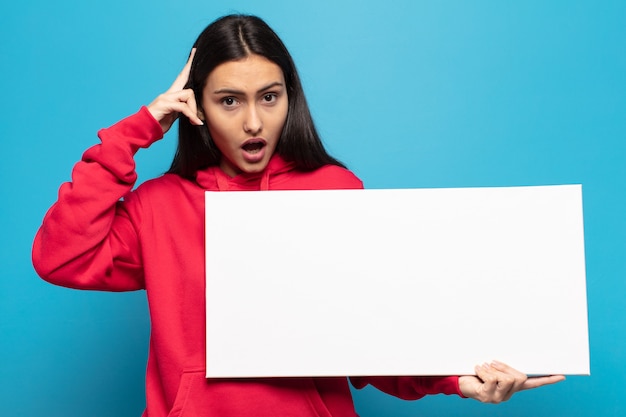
(411, 387)
(87, 239)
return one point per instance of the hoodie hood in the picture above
(213, 178)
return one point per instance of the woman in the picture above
(245, 125)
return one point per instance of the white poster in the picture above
(395, 282)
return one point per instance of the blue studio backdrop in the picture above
(406, 93)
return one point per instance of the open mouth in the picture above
(253, 146)
(254, 150)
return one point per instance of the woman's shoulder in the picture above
(327, 177)
(161, 187)
(341, 175)
(163, 181)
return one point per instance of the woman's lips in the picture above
(254, 150)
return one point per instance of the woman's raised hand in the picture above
(177, 99)
(497, 382)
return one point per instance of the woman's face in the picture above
(245, 107)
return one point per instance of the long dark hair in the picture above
(232, 38)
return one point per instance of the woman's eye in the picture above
(229, 101)
(269, 98)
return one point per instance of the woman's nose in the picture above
(252, 124)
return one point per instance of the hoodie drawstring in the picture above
(222, 183)
(265, 180)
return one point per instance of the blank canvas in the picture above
(395, 282)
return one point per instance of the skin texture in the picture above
(256, 107)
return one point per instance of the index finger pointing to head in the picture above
(180, 81)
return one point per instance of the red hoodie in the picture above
(100, 235)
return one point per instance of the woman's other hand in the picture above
(177, 99)
(497, 382)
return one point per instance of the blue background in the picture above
(407, 93)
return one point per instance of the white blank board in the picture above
(395, 282)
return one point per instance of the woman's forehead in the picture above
(251, 73)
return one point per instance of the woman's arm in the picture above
(87, 239)
(493, 383)
(410, 387)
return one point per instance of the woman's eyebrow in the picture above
(239, 92)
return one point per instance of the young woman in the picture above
(244, 125)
